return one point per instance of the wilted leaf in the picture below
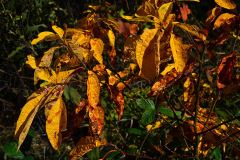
(146, 54)
(58, 30)
(225, 70)
(84, 145)
(96, 115)
(165, 10)
(215, 12)
(228, 4)
(179, 51)
(97, 47)
(146, 9)
(93, 89)
(193, 29)
(56, 122)
(41, 36)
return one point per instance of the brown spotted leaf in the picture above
(96, 115)
(84, 145)
(225, 70)
(76, 48)
(97, 47)
(47, 57)
(93, 89)
(146, 9)
(225, 20)
(111, 23)
(164, 11)
(56, 122)
(193, 29)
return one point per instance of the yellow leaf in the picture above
(93, 89)
(82, 38)
(167, 69)
(228, 4)
(58, 30)
(111, 38)
(146, 54)
(224, 18)
(84, 145)
(179, 51)
(97, 46)
(41, 36)
(193, 29)
(111, 23)
(96, 116)
(59, 77)
(28, 112)
(43, 74)
(164, 11)
(158, 124)
(147, 9)
(76, 48)
(127, 17)
(190, 0)
(47, 57)
(56, 122)
(31, 62)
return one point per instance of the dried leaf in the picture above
(97, 47)
(225, 70)
(130, 48)
(41, 36)
(47, 57)
(146, 9)
(228, 4)
(215, 12)
(193, 29)
(58, 30)
(179, 51)
(112, 24)
(96, 115)
(56, 122)
(84, 145)
(60, 76)
(93, 89)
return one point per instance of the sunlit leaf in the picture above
(41, 36)
(165, 10)
(111, 23)
(146, 9)
(225, 18)
(93, 89)
(84, 145)
(228, 4)
(76, 49)
(190, 0)
(167, 69)
(157, 125)
(56, 122)
(179, 51)
(146, 55)
(97, 47)
(58, 30)
(31, 62)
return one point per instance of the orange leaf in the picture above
(228, 4)
(93, 89)
(96, 116)
(84, 145)
(97, 47)
(225, 19)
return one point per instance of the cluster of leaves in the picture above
(185, 80)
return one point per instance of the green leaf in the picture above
(44, 84)
(29, 158)
(66, 93)
(217, 154)
(137, 131)
(10, 149)
(74, 95)
(145, 104)
(166, 111)
(35, 28)
(148, 116)
(93, 154)
(15, 51)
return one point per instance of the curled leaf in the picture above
(41, 36)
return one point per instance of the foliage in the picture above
(151, 85)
